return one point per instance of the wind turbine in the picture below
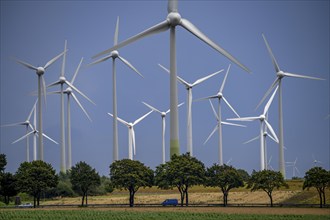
(61, 81)
(219, 128)
(278, 82)
(115, 54)
(131, 133)
(269, 166)
(163, 115)
(41, 88)
(294, 167)
(27, 125)
(265, 134)
(173, 19)
(189, 87)
(263, 120)
(220, 97)
(315, 161)
(70, 92)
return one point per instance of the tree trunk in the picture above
(187, 200)
(83, 199)
(38, 199)
(225, 196)
(34, 201)
(182, 198)
(323, 193)
(320, 195)
(271, 199)
(131, 198)
(86, 203)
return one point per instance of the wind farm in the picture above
(189, 52)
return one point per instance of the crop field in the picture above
(161, 213)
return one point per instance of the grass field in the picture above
(127, 214)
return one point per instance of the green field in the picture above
(126, 215)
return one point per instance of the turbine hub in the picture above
(163, 114)
(68, 90)
(265, 134)
(280, 74)
(130, 125)
(114, 54)
(219, 95)
(40, 71)
(62, 79)
(262, 117)
(174, 18)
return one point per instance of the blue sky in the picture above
(297, 31)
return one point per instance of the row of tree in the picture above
(182, 172)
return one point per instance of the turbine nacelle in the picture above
(163, 114)
(40, 71)
(68, 91)
(262, 117)
(219, 95)
(114, 54)
(174, 19)
(62, 79)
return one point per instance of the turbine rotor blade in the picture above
(141, 118)
(80, 105)
(130, 65)
(277, 68)
(232, 124)
(13, 124)
(77, 70)
(271, 130)
(133, 140)
(178, 77)
(25, 64)
(120, 120)
(54, 59)
(195, 31)
(205, 78)
(43, 88)
(214, 112)
(21, 138)
(160, 27)
(268, 91)
(169, 110)
(244, 119)
(54, 84)
(77, 90)
(214, 130)
(230, 106)
(152, 108)
(49, 138)
(224, 80)
(115, 39)
(64, 57)
(270, 101)
(172, 6)
(251, 140)
(301, 76)
(100, 60)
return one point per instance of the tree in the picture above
(130, 175)
(225, 177)
(8, 186)
(245, 175)
(3, 162)
(266, 180)
(319, 178)
(35, 178)
(181, 172)
(84, 178)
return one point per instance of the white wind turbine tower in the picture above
(131, 133)
(220, 97)
(27, 125)
(263, 120)
(70, 92)
(265, 134)
(278, 81)
(189, 87)
(163, 115)
(173, 19)
(115, 54)
(61, 81)
(219, 128)
(41, 89)
(294, 167)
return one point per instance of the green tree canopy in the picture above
(266, 180)
(3, 162)
(36, 177)
(8, 186)
(181, 172)
(244, 174)
(319, 178)
(130, 175)
(225, 177)
(83, 178)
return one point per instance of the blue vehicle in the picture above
(170, 202)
